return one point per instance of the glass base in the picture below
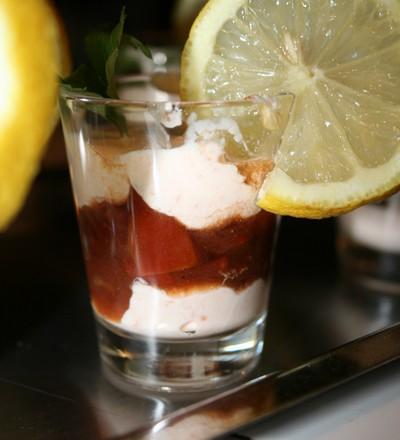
(173, 366)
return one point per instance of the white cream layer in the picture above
(191, 183)
(152, 312)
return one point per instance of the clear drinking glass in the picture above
(178, 255)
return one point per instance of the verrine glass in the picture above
(178, 255)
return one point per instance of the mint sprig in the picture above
(97, 77)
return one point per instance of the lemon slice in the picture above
(32, 56)
(341, 60)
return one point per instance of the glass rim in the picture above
(89, 99)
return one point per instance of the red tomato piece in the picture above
(161, 243)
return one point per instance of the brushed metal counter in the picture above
(51, 386)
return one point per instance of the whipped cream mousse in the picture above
(175, 246)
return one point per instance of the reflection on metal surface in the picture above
(269, 394)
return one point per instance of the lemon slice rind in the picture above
(192, 86)
(281, 195)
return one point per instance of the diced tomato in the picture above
(161, 244)
(218, 241)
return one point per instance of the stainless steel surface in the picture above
(51, 385)
(268, 394)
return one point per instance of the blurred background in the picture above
(155, 22)
(43, 284)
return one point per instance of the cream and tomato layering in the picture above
(174, 243)
(178, 231)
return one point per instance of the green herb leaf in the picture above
(117, 33)
(83, 80)
(98, 76)
(96, 50)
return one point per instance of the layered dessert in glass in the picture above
(178, 254)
